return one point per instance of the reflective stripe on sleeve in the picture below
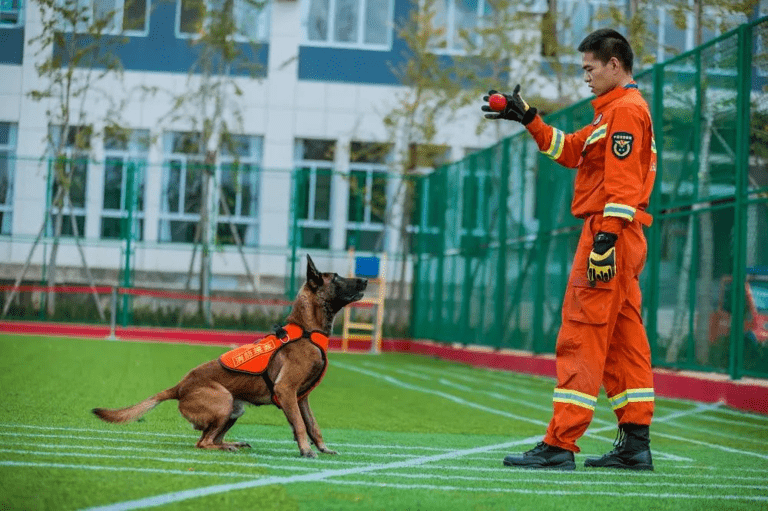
(596, 135)
(557, 144)
(619, 210)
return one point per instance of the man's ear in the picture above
(314, 278)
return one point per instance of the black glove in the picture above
(602, 260)
(516, 110)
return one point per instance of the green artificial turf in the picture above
(413, 433)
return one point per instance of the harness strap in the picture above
(293, 332)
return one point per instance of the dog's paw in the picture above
(325, 450)
(235, 446)
(309, 454)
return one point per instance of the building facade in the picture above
(312, 167)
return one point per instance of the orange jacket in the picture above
(615, 157)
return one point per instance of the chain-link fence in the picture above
(492, 268)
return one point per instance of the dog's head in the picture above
(333, 290)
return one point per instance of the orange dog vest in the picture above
(254, 358)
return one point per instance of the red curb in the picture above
(749, 395)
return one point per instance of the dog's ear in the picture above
(314, 279)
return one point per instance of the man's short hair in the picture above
(606, 43)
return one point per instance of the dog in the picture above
(212, 396)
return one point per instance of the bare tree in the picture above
(209, 106)
(74, 53)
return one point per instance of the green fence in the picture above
(493, 261)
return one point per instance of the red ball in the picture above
(497, 102)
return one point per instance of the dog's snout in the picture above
(363, 283)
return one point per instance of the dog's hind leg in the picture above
(211, 409)
(312, 427)
(238, 409)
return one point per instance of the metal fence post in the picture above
(501, 263)
(651, 296)
(744, 81)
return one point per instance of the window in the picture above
(575, 20)
(182, 186)
(314, 164)
(461, 21)
(239, 199)
(367, 206)
(674, 39)
(7, 167)
(119, 16)
(251, 17)
(71, 165)
(11, 14)
(349, 23)
(125, 163)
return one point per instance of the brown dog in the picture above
(213, 397)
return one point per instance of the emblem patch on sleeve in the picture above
(622, 144)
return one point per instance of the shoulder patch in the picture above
(622, 144)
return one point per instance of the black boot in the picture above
(632, 450)
(543, 456)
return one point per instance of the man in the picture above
(602, 340)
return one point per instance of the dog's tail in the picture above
(136, 411)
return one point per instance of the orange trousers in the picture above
(602, 342)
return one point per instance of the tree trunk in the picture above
(707, 246)
(51, 281)
(683, 304)
(28, 262)
(206, 235)
(76, 234)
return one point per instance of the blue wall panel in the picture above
(357, 66)
(162, 51)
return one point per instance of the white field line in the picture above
(280, 463)
(255, 442)
(308, 464)
(449, 397)
(733, 422)
(539, 480)
(59, 453)
(512, 385)
(194, 435)
(712, 446)
(324, 475)
(506, 379)
(110, 468)
(187, 444)
(609, 478)
(652, 482)
(335, 461)
(747, 415)
(711, 431)
(173, 497)
(523, 386)
(509, 387)
(563, 493)
(258, 450)
(593, 433)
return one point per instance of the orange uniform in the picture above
(602, 340)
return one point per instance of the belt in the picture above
(643, 217)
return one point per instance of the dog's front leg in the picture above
(312, 427)
(287, 398)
